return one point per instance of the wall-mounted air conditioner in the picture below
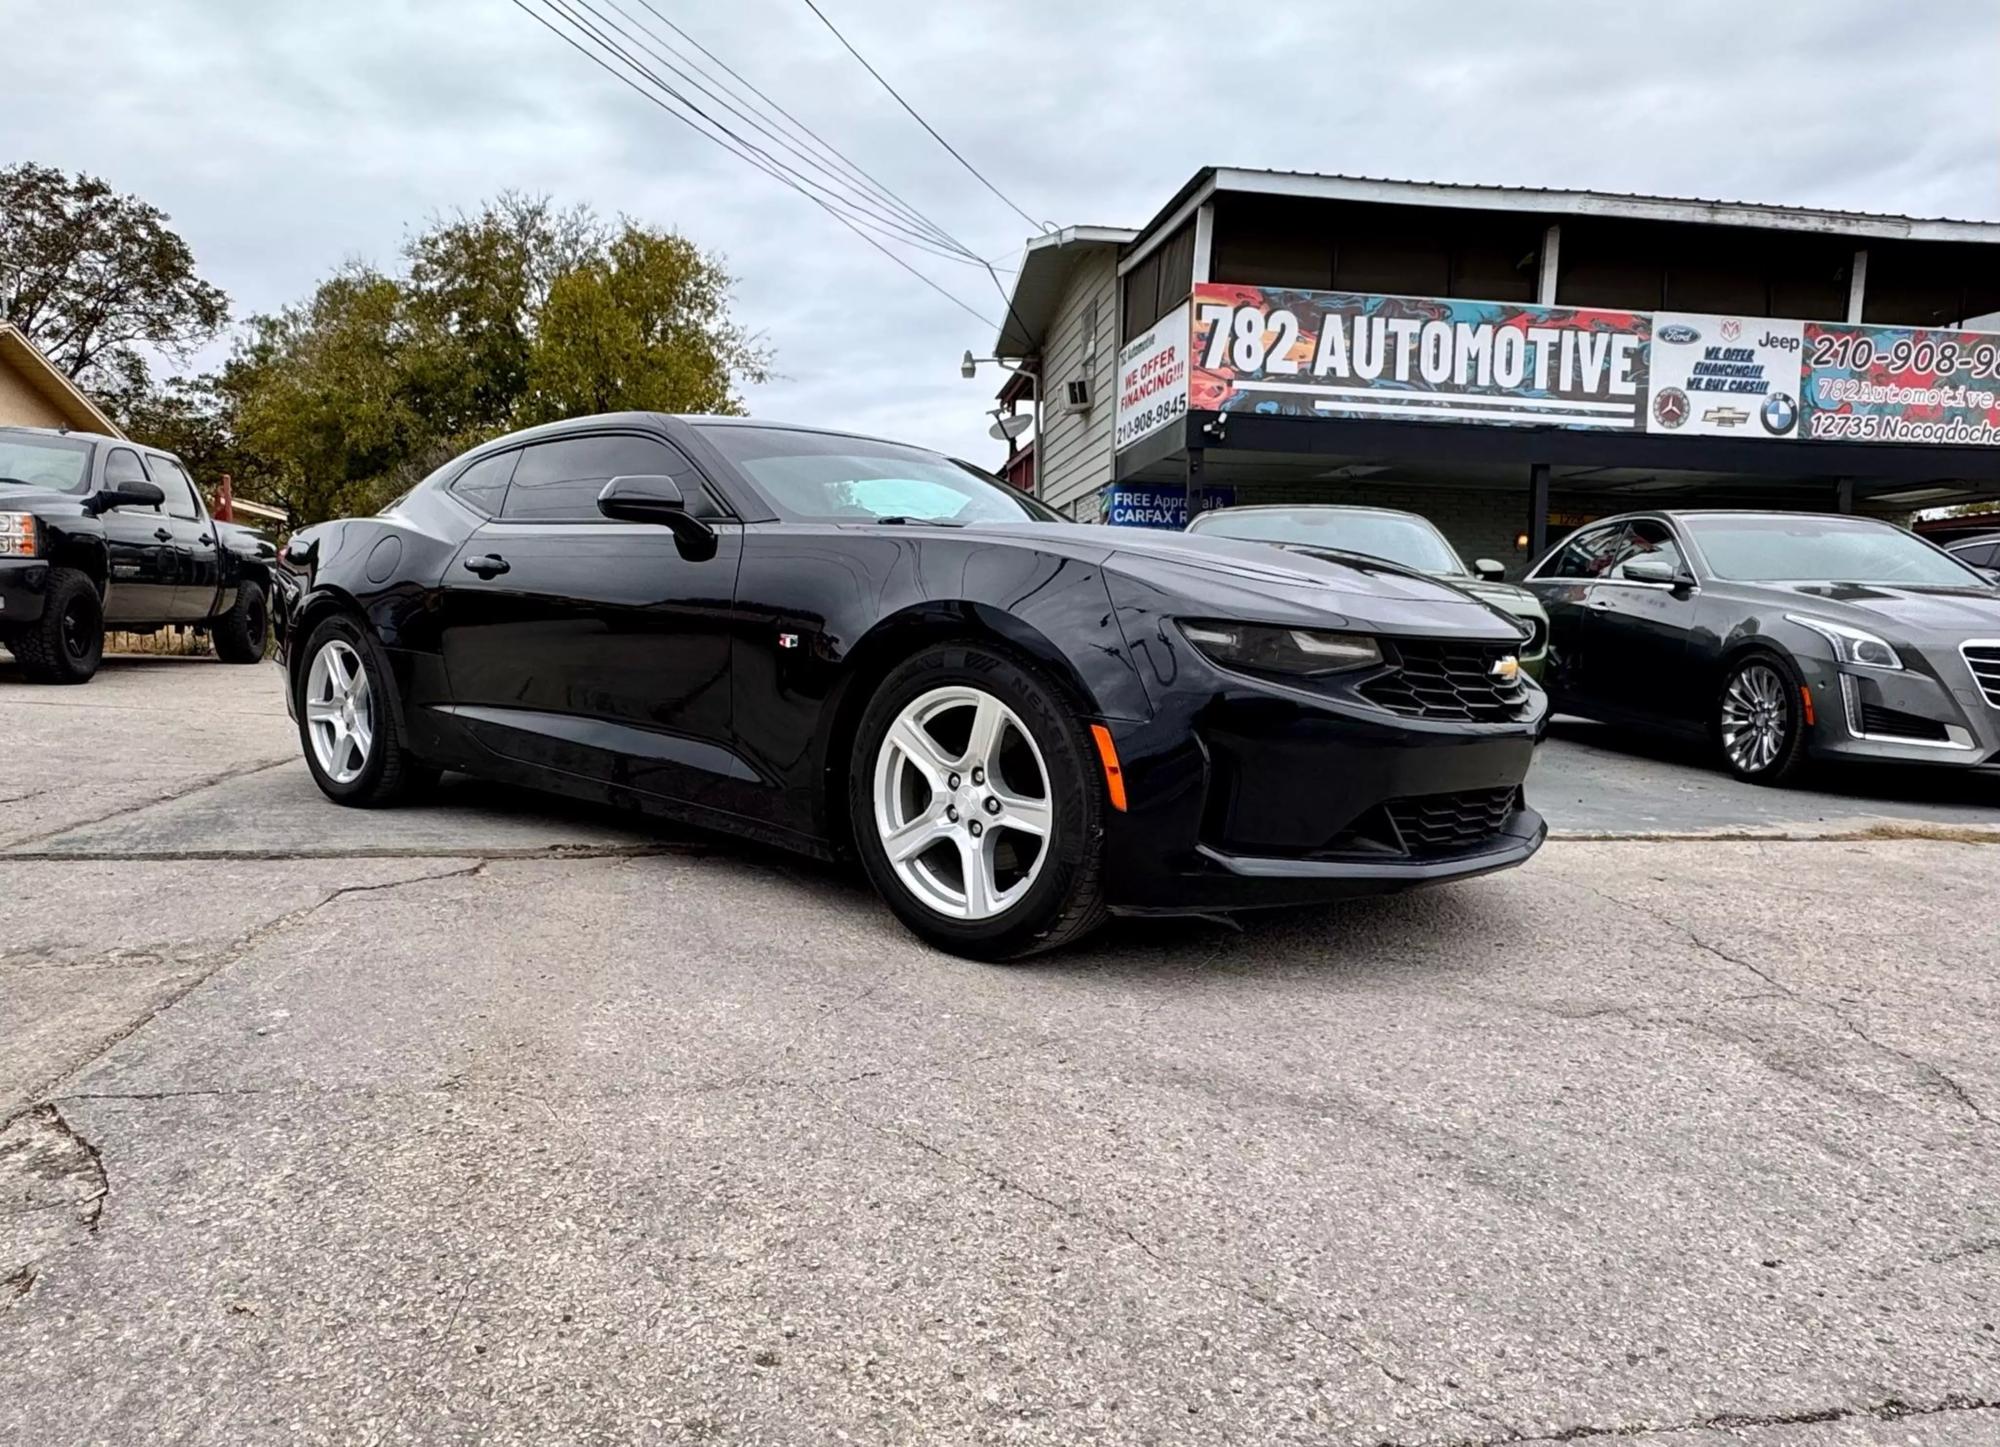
(1076, 394)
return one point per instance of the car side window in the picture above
(122, 465)
(1645, 538)
(559, 481)
(483, 486)
(181, 500)
(1587, 555)
(1979, 555)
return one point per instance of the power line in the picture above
(869, 198)
(744, 148)
(721, 136)
(1038, 225)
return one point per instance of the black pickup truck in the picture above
(96, 533)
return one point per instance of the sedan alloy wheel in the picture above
(340, 711)
(1758, 723)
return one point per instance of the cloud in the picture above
(287, 136)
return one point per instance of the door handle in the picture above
(487, 567)
(163, 535)
(206, 538)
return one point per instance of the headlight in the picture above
(17, 535)
(1851, 645)
(1261, 647)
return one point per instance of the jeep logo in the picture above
(1783, 344)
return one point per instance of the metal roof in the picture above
(1045, 270)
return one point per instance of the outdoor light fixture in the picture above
(968, 368)
(1520, 542)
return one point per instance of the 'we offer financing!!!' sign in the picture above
(1292, 352)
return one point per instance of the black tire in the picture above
(1745, 687)
(390, 773)
(66, 643)
(1065, 901)
(242, 633)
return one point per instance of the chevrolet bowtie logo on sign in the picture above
(1725, 417)
(1506, 670)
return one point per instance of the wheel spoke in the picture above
(1025, 816)
(916, 836)
(976, 862)
(982, 745)
(364, 740)
(321, 709)
(921, 751)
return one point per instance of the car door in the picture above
(145, 567)
(198, 557)
(592, 647)
(1565, 582)
(1638, 633)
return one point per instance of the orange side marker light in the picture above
(1107, 755)
(1805, 692)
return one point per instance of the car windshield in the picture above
(821, 477)
(1749, 549)
(1393, 536)
(61, 464)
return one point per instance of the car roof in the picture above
(1315, 507)
(75, 436)
(701, 421)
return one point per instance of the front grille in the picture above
(1433, 679)
(1984, 661)
(1439, 823)
(1893, 723)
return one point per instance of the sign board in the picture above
(1157, 505)
(1902, 384)
(1722, 376)
(1284, 351)
(1342, 354)
(1152, 379)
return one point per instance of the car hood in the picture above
(15, 498)
(1955, 613)
(1516, 600)
(1224, 578)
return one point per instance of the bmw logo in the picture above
(1780, 414)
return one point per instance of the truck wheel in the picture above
(347, 720)
(240, 634)
(67, 643)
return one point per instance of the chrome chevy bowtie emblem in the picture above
(1506, 670)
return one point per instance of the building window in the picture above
(1090, 334)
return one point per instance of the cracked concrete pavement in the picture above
(523, 1124)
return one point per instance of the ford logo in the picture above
(1678, 333)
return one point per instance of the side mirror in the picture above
(1652, 570)
(1992, 575)
(655, 498)
(128, 494)
(1489, 571)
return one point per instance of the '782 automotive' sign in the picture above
(1341, 354)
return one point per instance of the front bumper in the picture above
(24, 587)
(1930, 712)
(1256, 796)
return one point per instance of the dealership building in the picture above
(1509, 362)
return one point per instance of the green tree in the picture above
(93, 277)
(522, 313)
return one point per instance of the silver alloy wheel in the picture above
(1755, 715)
(340, 712)
(965, 828)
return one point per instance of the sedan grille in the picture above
(1893, 723)
(1440, 823)
(1984, 661)
(1447, 680)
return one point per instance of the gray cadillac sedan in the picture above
(1783, 637)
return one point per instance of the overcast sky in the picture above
(285, 136)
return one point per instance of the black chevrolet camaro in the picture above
(849, 646)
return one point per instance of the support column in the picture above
(1844, 495)
(1538, 512)
(1194, 483)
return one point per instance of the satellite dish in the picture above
(1004, 428)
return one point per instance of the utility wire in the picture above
(800, 126)
(725, 139)
(1038, 225)
(740, 145)
(865, 200)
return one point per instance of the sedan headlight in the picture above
(1263, 648)
(17, 535)
(1851, 645)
